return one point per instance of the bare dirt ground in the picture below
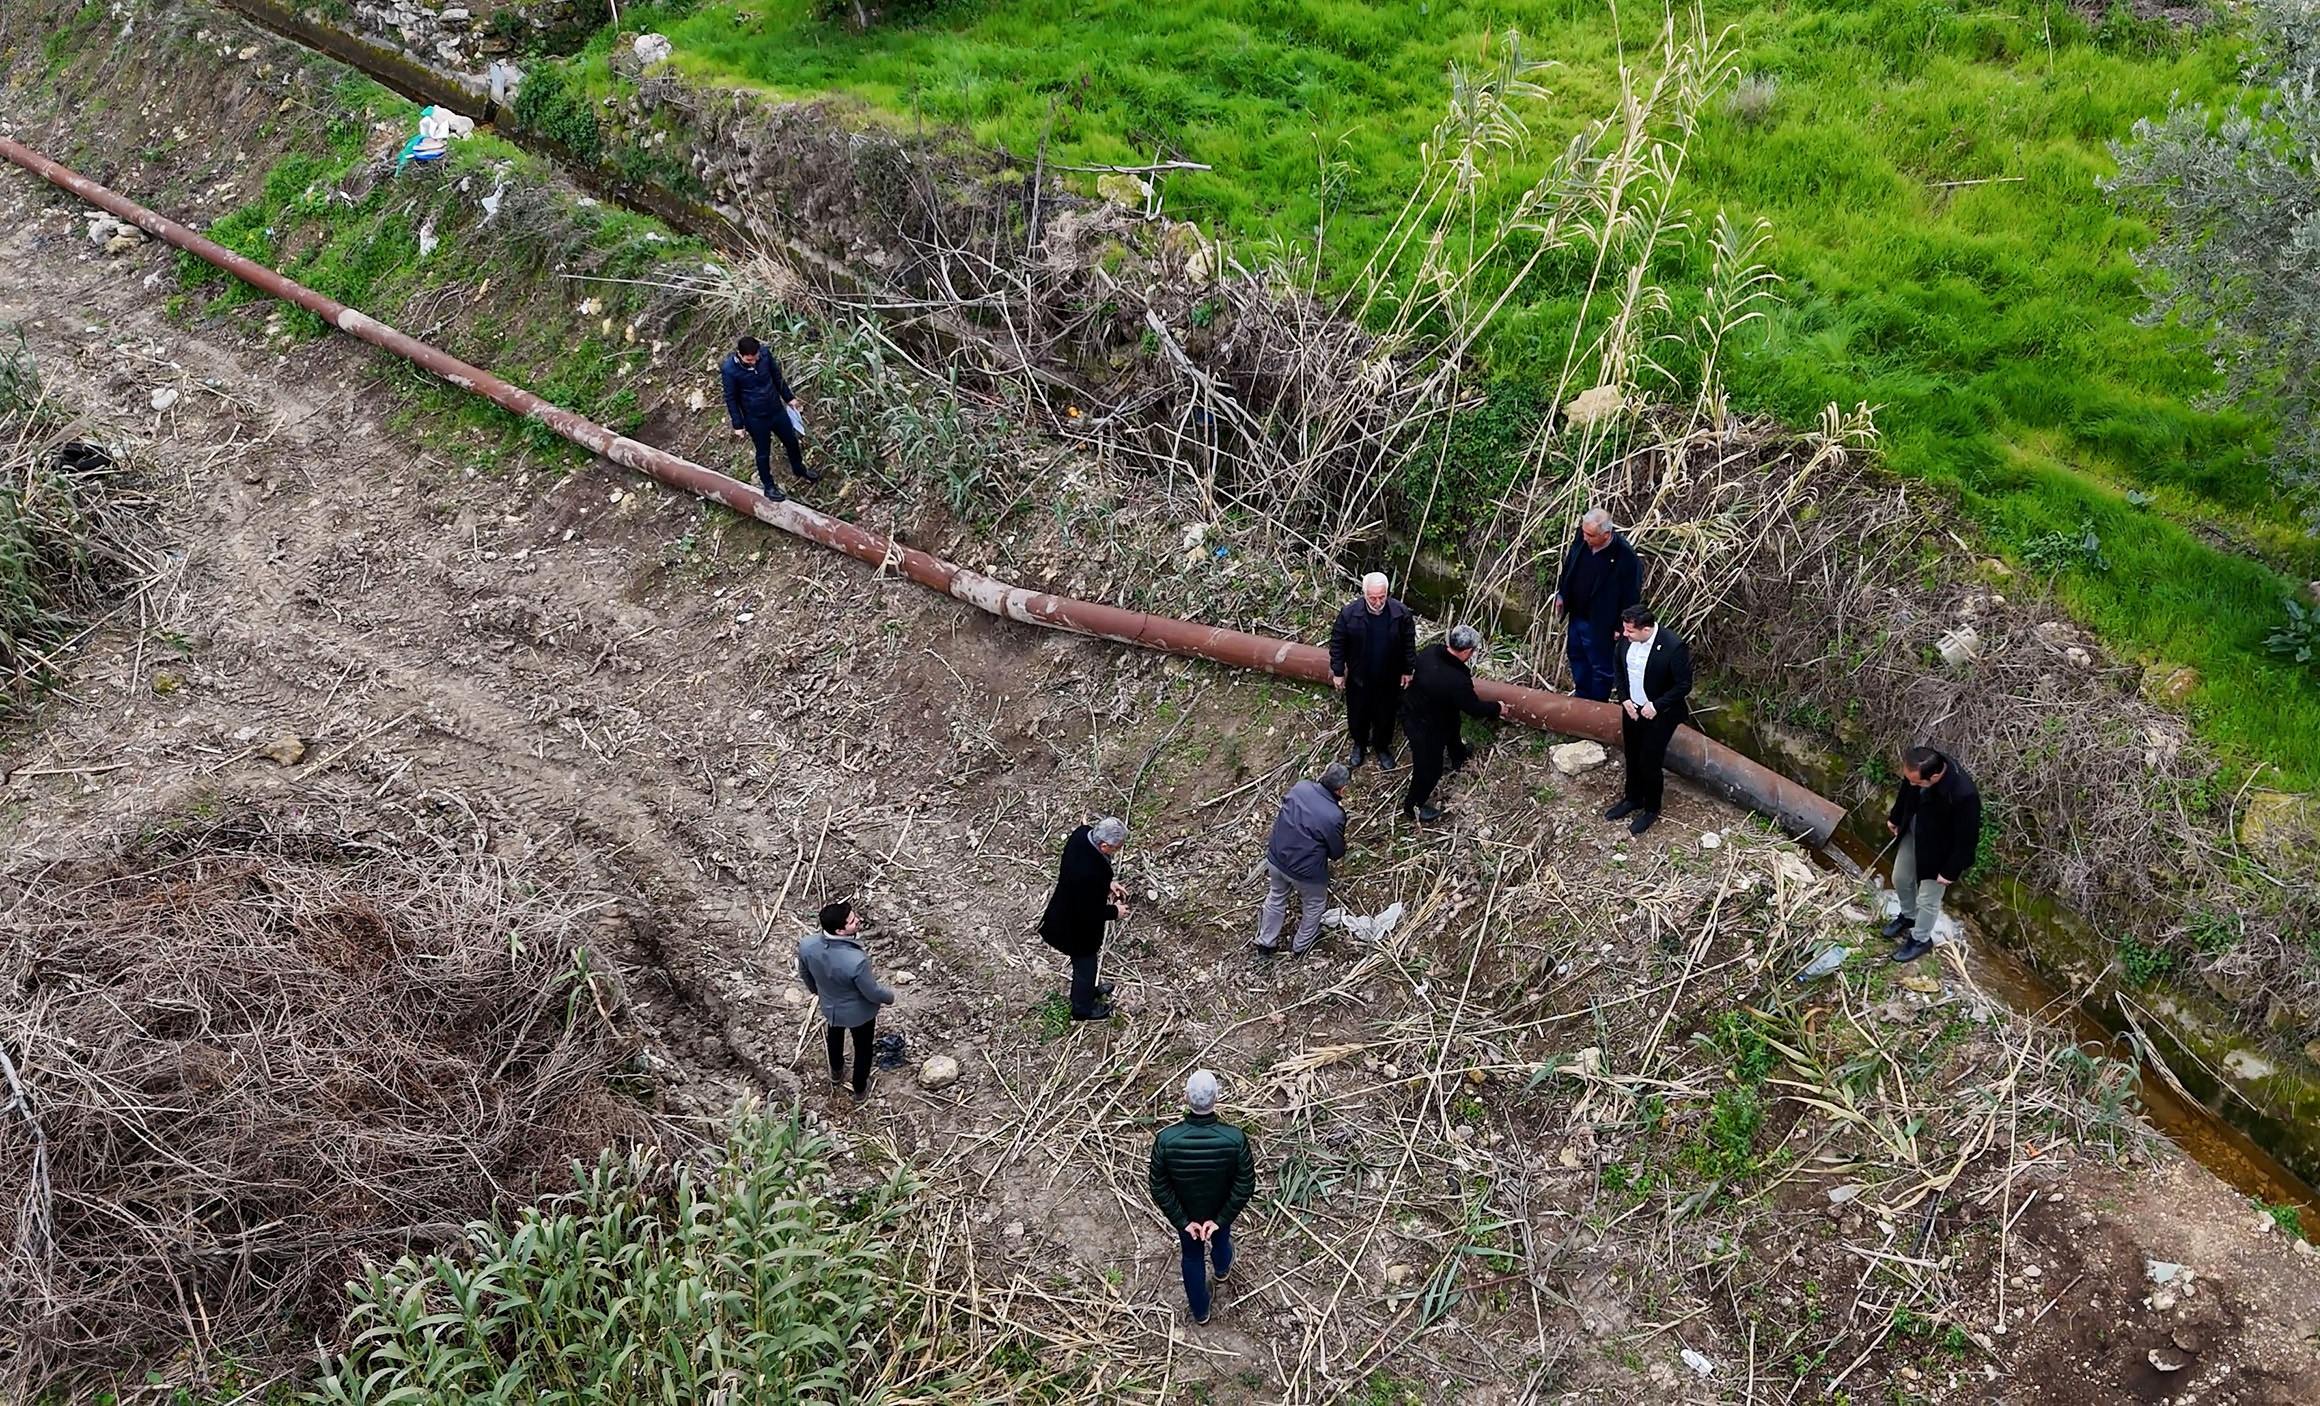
(1492, 1164)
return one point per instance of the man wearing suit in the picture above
(1601, 577)
(1373, 650)
(1441, 692)
(1651, 686)
(1086, 897)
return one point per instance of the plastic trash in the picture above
(1698, 1362)
(893, 1050)
(1824, 964)
(1369, 928)
(438, 129)
(501, 81)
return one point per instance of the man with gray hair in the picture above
(1440, 694)
(1308, 833)
(1601, 576)
(1203, 1172)
(1086, 897)
(1373, 648)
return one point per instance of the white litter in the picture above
(1698, 1363)
(1371, 928)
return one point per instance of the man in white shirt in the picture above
(1652, 686)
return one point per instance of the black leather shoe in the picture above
(1621, 811)
(1911, 950)
(1360, 755)
(1387, 760)
(810, 475)
(775, 493)
(1894, 927)
(1642, 822)
(1103, 989)
(1102, 1012)
(1429, 814)
(1264, 951)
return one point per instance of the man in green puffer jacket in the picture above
(1203, 1173)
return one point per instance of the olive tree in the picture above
(2235, 198)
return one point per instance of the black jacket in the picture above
(1667, 675)
(1082, 901)
(756, 397)
(1202, 1169)
(1350, 641)
(1441, 688)
(1948, 819)
(1621, 586)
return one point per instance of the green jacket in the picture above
(1202, 1170)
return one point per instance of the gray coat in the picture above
(837, 970)
(1308, 833)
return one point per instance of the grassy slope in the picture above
(1992, 323)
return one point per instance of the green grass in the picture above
(1992, 324)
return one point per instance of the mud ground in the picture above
(716, 728)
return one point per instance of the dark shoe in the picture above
(774, 492)
(1621, 811)
(1103, 989)
(1894, 927)
(810, 475)
(1642, 822)
(1386, 759)
(1200, 1322)
(1101, 1012)
(1360, 755)
(1429, 814)
(1911, 950)
(1264, 951)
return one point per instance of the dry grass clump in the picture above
(248, 1056)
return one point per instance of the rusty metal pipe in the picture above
(1721, 769)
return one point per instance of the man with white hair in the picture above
(1441, 693)
(1601, 577)
(1373, 650)
(1203, 1172)
(1308, 833)
(1086, 897)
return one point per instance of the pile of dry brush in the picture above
(246, 1055)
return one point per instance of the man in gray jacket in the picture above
(1307, 834)
(834, 967)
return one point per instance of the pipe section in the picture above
(1729, 774)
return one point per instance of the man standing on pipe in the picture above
(760, 405)
(1654, 688)
(1373, 650)
(1938, 816)
(1086, 897)
(1601, 577)
(1308, 833)
(834, 967)
(1441, 692)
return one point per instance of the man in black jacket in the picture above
(1601, 577)
(759, 403)
(1373, 650)
(1938, 816)
(1652, 686)
(1441, 691)
(1203, 1172)
(1085, 899)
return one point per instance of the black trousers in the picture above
(1083, 984)
(1645, 741)
(1370, 710)
(763, 436)
(864, 1034)
(1428, 753)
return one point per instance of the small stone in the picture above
(1013, 1230)
(163, 398)
(905, 977)
(1593, 406)
(792, 996)
(285, 751)
(1923, 983)
(2162, 1362)
(1573, 758)
(939, 1072)
(1709, 839)
(1397, 1274)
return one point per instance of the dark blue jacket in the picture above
(756, 397)
(1375, 649)
(1620, 586)
(1308, 833)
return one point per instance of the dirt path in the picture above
(715, 728)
